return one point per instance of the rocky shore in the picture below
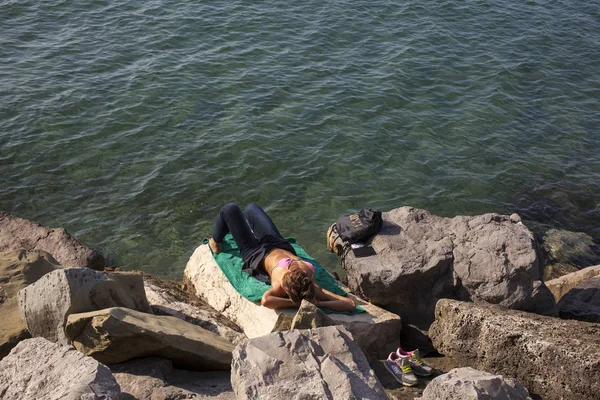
(468, 292)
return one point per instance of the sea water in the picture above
(130, 123)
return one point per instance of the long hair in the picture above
(298, 285)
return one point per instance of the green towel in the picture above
(230, 262)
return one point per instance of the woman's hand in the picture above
(274, 300)
(324, 298)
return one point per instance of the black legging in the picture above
(255, 237)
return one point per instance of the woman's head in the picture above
(297, 284)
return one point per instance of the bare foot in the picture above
(214, 246)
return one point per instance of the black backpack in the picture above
(360, 226)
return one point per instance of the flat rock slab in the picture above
(376, 331)
(561, 286)
(117, 335)
(38, 369)
(557, 359)
(582, 302)
(46, 304)
(321, 363)
(471, 384)
(165, 300)
(422, 257)
(18, 269)
(19, 233)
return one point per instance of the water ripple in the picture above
(131, 123)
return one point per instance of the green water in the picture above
(130, 123)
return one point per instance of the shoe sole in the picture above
(399, 380)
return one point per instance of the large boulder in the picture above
(166, 298)
(561, 286)
(117, 335)
(471, 384)
(376, 331)
(46, 304)
(422, 258)
(322, 363)
(582, 302)
(18, 233)
(554, 358)
(155, 378)
(18, 269)
(38, 369)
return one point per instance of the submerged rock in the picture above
(554, 358)
(471, 384)
(18, 269)
(117, 335)
(19, 233)
(566, 250)
(46, 304)
(422, 258)
(322, 363)
(554, 271)
(39, 369)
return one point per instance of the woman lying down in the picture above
(263, 248)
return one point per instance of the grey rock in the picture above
(38, 369)
(155, 379)
(321, 363)
(310, 316)
(163, 301)
(582, 302)
(117, 335)
(554, 358)
(471, 384)
(18, 269)
(422, 258)
(46, 304)
(19, 233)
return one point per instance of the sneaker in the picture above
(417, 365)
(399, 367)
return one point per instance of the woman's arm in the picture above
(271, 300)
(333, 301)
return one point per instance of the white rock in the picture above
(376, 331)
(38, 369)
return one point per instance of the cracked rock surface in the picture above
(422, 258)
(554, 358)
(39, 369)
(321, 363)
